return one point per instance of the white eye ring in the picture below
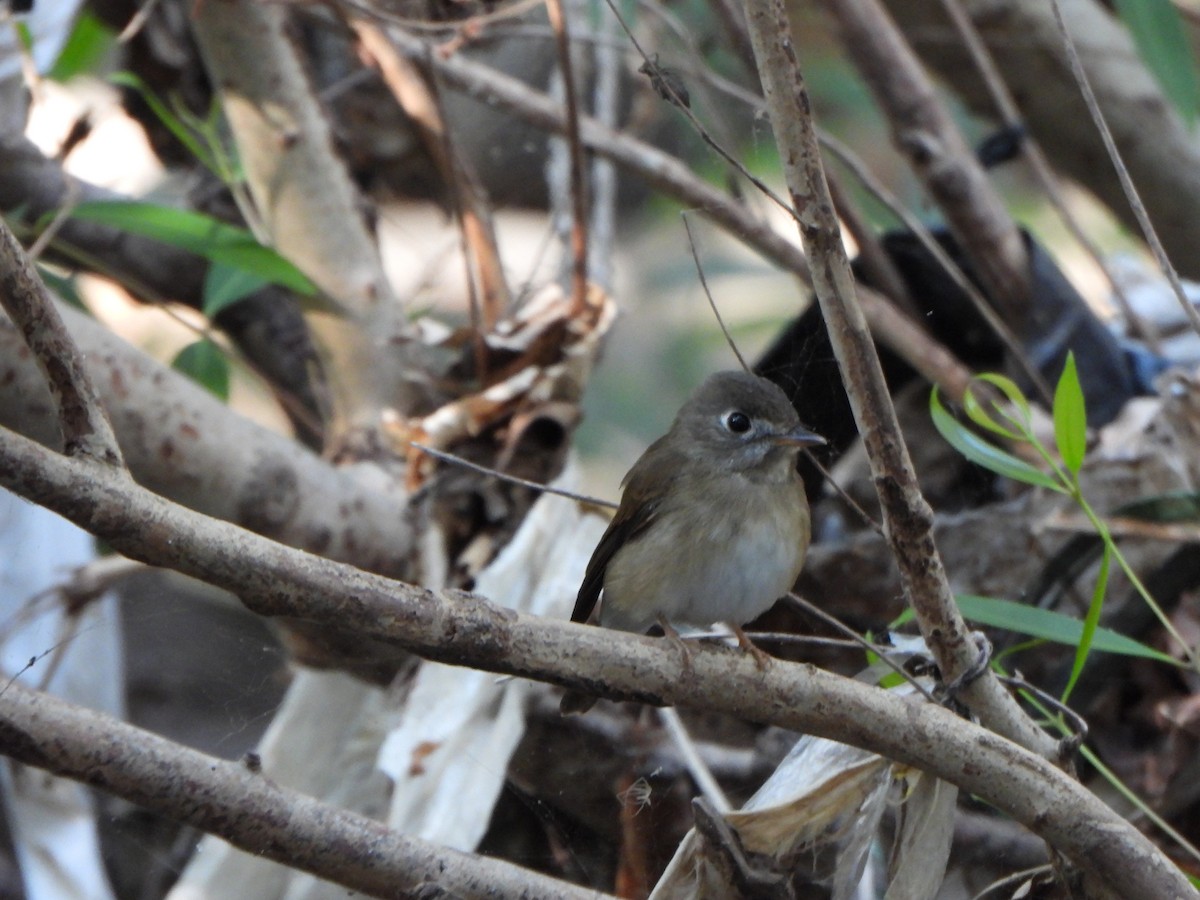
(736, 421)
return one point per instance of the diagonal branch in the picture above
(86, 431)
(908, 520)
(461, 629)
(669, 175)
(242, 805)
(181, 441)
(924, 132)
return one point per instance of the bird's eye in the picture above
(737, 422)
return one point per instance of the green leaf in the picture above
(225, 286)
(1090, 623)
(172, 122)
(980, 452)
(200, 234)
(1070, 417)
(1162, 40)
(1052, 626)
(977, 413)
(90, 40)
(204, 363)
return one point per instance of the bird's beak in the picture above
(798, 437)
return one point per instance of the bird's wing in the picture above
(633, 516)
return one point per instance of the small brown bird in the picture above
(713, 523)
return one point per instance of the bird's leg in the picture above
(762, 658)
(671, 634)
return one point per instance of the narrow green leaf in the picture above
(169, 119)
(1090, 622)
(199, 234)
(980, 452)
(1162, 40)
(1052, 626)
(225, 286)
(1070, 417)
(981, 416)
(1019, 415)
(204, 363)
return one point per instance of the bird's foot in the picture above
(762, 658)
(675, 637)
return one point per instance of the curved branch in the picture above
(924, 132)
(461, 629)
(242, 805)
(180, 441)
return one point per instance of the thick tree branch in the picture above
(1026, 45)
(461, 629)
(266, 325)
(235, 801)
(182, 442)
(924, 132)
(908, 520)
(310, 208)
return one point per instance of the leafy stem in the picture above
(1005, 412)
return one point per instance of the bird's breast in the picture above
(726, 559)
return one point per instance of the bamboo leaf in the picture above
(1070, 418)
(1052, 626)
(1022, 421)
(200, 234)
(980, 452)
(1090, 622)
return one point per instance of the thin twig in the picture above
(1009, 881)
(512, 479)
(712, 303)
(1124, 527)
(979, 303)
(417, 93)
(695, 764)
(1127, 185)
(61, 216)
(877, 266)
(884, 653)
(85, 427)
(579, 204)
(679, 103)
(785, 637)
(477, 23)
(867, 518)
(137, 22)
